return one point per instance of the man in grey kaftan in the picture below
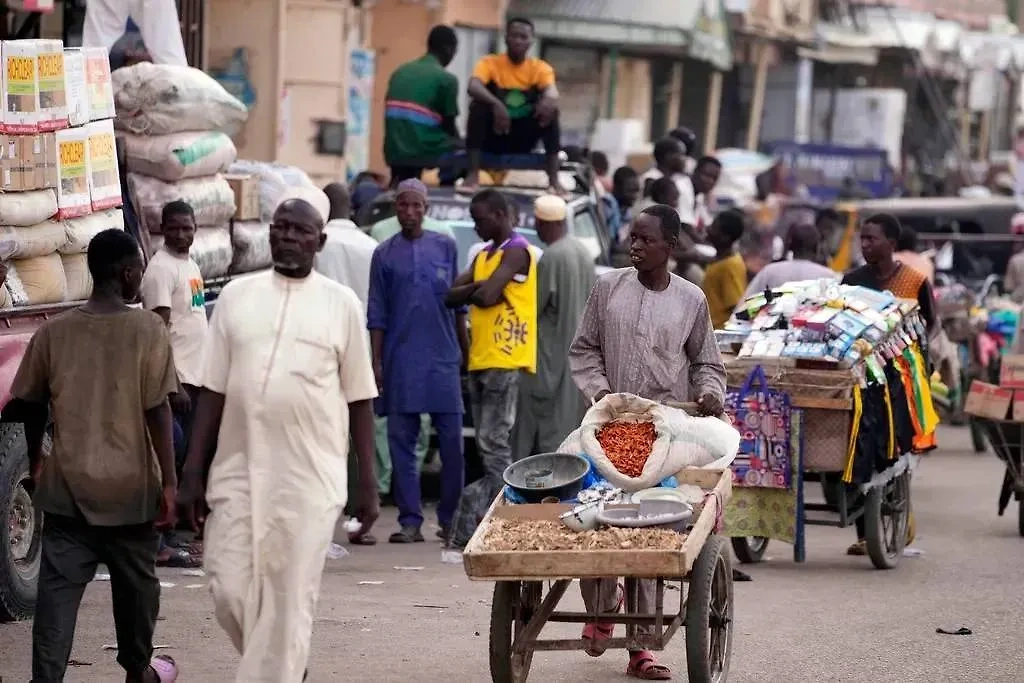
(550, 405)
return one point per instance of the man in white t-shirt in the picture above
(173, 288)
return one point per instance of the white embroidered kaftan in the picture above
(289, 356)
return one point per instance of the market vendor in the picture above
(879, 239)
(647, 332)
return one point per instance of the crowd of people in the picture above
(361, 342)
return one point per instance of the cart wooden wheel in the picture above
(749, 549)
(886, 514)
(709, 614)
(512, 607)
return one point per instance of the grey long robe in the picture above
(550, 405)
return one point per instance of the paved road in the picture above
(831, 619)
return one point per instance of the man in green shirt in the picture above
(420, 109)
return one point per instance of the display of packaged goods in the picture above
(75, 88)
(73, 173)
(104, 178)
(28, 162)
(823, 322)
(247, 195)
(99, 89)
(33, 86)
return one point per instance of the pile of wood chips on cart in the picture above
(541, 535)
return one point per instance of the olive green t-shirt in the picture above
(99, 374)
(421, 95)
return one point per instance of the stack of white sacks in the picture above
(176, 124)
(58, 169)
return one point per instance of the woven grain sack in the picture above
(159, 99)
(211, 199)
(77, 276)
(34, 281)
(34, 240)
(80, 231)
(211, 249)
(181, 155)
(250, 241)
(27, 208)
(274, 180)
(682, 440)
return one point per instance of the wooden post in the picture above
(613, 78)
(675, 97)
(714, 111)
(757, 102)
(984, 134)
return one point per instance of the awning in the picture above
(879, 28)
(699, 28)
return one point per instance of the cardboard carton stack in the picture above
(57, 106)
(1003, 402)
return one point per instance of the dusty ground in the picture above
(831, 619)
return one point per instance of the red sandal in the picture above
(598, 632)
(644, 666)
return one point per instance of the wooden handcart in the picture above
(823, 397)
(1007, 439)
(522, 605)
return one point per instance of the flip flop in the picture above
(179, 559)
(597, 632)
(644, 666)
(362, 539)
(165, 668)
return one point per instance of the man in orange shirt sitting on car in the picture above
(514, 104)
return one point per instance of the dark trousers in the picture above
(185, 421)
(522, 137)
(71, 550)
(400, 173)
(403, 433)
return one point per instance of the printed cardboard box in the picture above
(1011, 371)
(73, 198)
(75, 87)
(98, 84)
(28, 162)
(53, 101)
(989, 401)
(246, 189)
(104, 179)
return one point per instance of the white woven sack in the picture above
(682, 440)
(80, 231)
(77, 276)
(159, 99)
(275, 179)
(32, 241)
(211, 249)
(250, 241)
(34, 281)
(180, 155)
(27, 208)
(210, 198)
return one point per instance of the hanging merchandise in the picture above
(762, 417)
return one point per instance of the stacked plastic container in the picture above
(58, 169)
(176, 124)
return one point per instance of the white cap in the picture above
(551, 208)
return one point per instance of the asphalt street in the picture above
(396, 613)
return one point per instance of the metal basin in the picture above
(549, 474)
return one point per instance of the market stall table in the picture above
(520, 607)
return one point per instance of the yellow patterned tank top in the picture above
(504, 337)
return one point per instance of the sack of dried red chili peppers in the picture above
(635, 443)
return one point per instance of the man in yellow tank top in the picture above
(500, 288)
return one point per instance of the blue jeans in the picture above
(403, 433)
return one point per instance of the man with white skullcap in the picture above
(550, 405)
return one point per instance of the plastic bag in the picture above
(250, 241)
(682, 440)
(762, 416)
(211, 250)
(159, 99)
(211, 198)
(177, 156)
(27, 208)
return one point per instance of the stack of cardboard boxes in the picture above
(57, 154)
(1003, 402)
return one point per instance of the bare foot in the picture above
(471, 183)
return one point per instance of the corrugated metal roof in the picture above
(675, 14)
